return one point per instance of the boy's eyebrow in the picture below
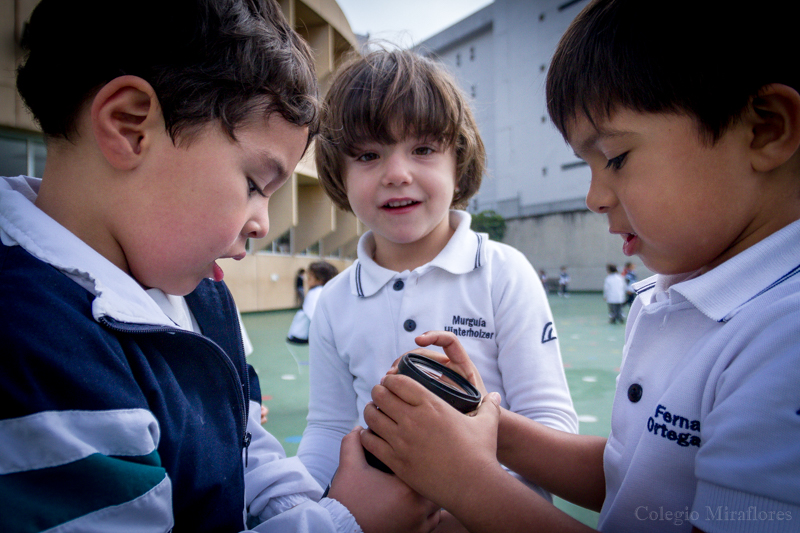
(599, 133)
(272, 164)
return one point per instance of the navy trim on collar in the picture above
(644, 288)
(359, 288)
(791, 273)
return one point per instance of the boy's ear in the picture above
(125, 116)
(775, 116)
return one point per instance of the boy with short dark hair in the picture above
(688, 115)
(124, 404)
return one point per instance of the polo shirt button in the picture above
(635, 392)
(409, 325)
(398, 285)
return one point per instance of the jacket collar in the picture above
(464, 252)
(117, 295)
(721, 292)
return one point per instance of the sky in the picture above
(406, 22)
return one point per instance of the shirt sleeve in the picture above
(282, 494)
(529, 357)
(310, 302)
(78, 470)
(748, 466)
(310, 517)
(332, 408)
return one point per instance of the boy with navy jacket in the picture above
(123, 384)
(688, 115)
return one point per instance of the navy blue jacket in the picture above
(56, 357)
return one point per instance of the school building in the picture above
(500, 56)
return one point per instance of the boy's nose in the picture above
(600, 198)
(397, 170)
(257, 225)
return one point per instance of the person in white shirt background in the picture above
(318, 274)
(614, 294)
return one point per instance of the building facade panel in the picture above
(534, 179)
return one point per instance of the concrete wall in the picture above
(578, 240)
(13, 14)
(266, 281)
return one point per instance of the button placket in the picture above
(409, 324)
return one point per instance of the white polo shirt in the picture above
(705, 427)
(485, 292)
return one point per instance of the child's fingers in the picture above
(439, 357)
(456, 354)
(446, 340)
(396, 391)
(373, 442)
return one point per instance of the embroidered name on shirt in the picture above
(668, 425)
(471, 323)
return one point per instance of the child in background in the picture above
(692, 139)
(563, 282)
(629, 273)
(401, 150)
(123, 403)
(614, 294)
(299, 287)
(318, 274)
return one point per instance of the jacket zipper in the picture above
(232, 372)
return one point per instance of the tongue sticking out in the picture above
(628, 248)
(218, 274)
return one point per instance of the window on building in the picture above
(571, 3)
(21, 154)
(472, 53)
(574, 164)
(473, 91)
(458, 60)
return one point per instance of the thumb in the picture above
(490, 406)
(351, 452)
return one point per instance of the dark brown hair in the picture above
(207, 60)
(703, 58)
(389, 95)
(323, 271)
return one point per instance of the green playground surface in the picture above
(591, 350)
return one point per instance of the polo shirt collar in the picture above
(464, 252)
(722, 291)
(23, 224)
